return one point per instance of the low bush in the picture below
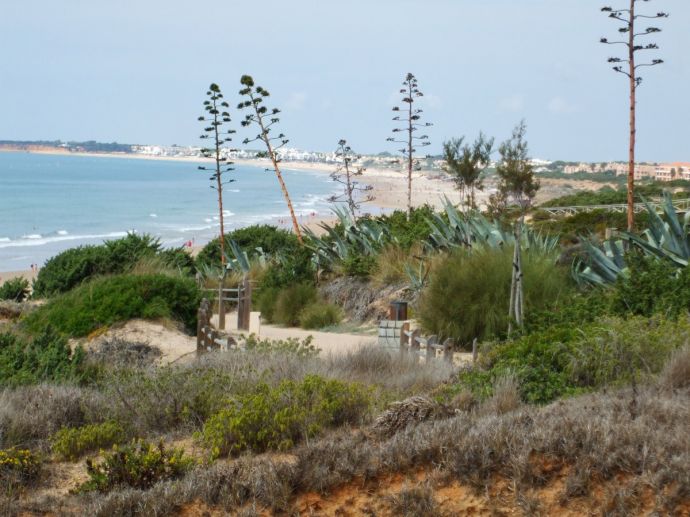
(74, 266)
(266, 302)
(139, 465)
(290, 346)
(652, 286)
(291, 301)
(17, 467)
(361, 266)
(269, 239)
(29, 415)
(72, 442)
(48, 357)
(278, 417)
(16, 289)
(565, 360)
(109, 300)
(319, 315)
(469, 292)
(417, 501)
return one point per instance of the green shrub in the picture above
(104, 301)
(266, 302)
(615, 350)
(290, 346)
(566, 359)
(16, 289)
(291, 301)
(68, 269)
(358, 265)
(139, 465)
(72, 267)
(275, 418)
(319, 315)
(652, 286)
(288, 268)
(72, 442)
(469, 292)
(269, 239)
(48, 357)
(17, 467)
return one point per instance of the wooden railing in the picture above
(412, 343)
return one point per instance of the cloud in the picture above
(560, 106)
(296, 101)
(515, 102)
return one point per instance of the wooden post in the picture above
(448, 347)
(221, 303)
(244, 304)
(431, 347)
(474, 350)
(414, 344)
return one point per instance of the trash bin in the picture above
(397, 311)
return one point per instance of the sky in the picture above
(136, 71)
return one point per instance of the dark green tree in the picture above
(466, 164)
(345, 174)
(629, 66)
(217, 115)
(515, 170)
(409, 119)
(265, 119)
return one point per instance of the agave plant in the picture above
(667, 240)
(460, 230)
(358, 237)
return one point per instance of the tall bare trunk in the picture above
(219, 188)
(410, 160)
(276, 167)
(633, 87)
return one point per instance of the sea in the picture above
(49, 203)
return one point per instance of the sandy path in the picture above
(330, 343)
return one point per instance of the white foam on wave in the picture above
(38, 240)
(234, 190)
(32, 236)
(208, 220)
(62, 232)
(194, 228)
(153, 215)
(5, 239)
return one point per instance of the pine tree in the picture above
(466, 164)
(265, 119)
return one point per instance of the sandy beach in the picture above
(389, 186)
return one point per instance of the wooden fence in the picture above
(397, 334)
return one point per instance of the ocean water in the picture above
(49, 203)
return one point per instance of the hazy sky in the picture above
(136, 71)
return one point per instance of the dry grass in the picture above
(594, 436)
(416, 501)
(676, 372)
(30, 414)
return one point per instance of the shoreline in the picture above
(389, 188)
